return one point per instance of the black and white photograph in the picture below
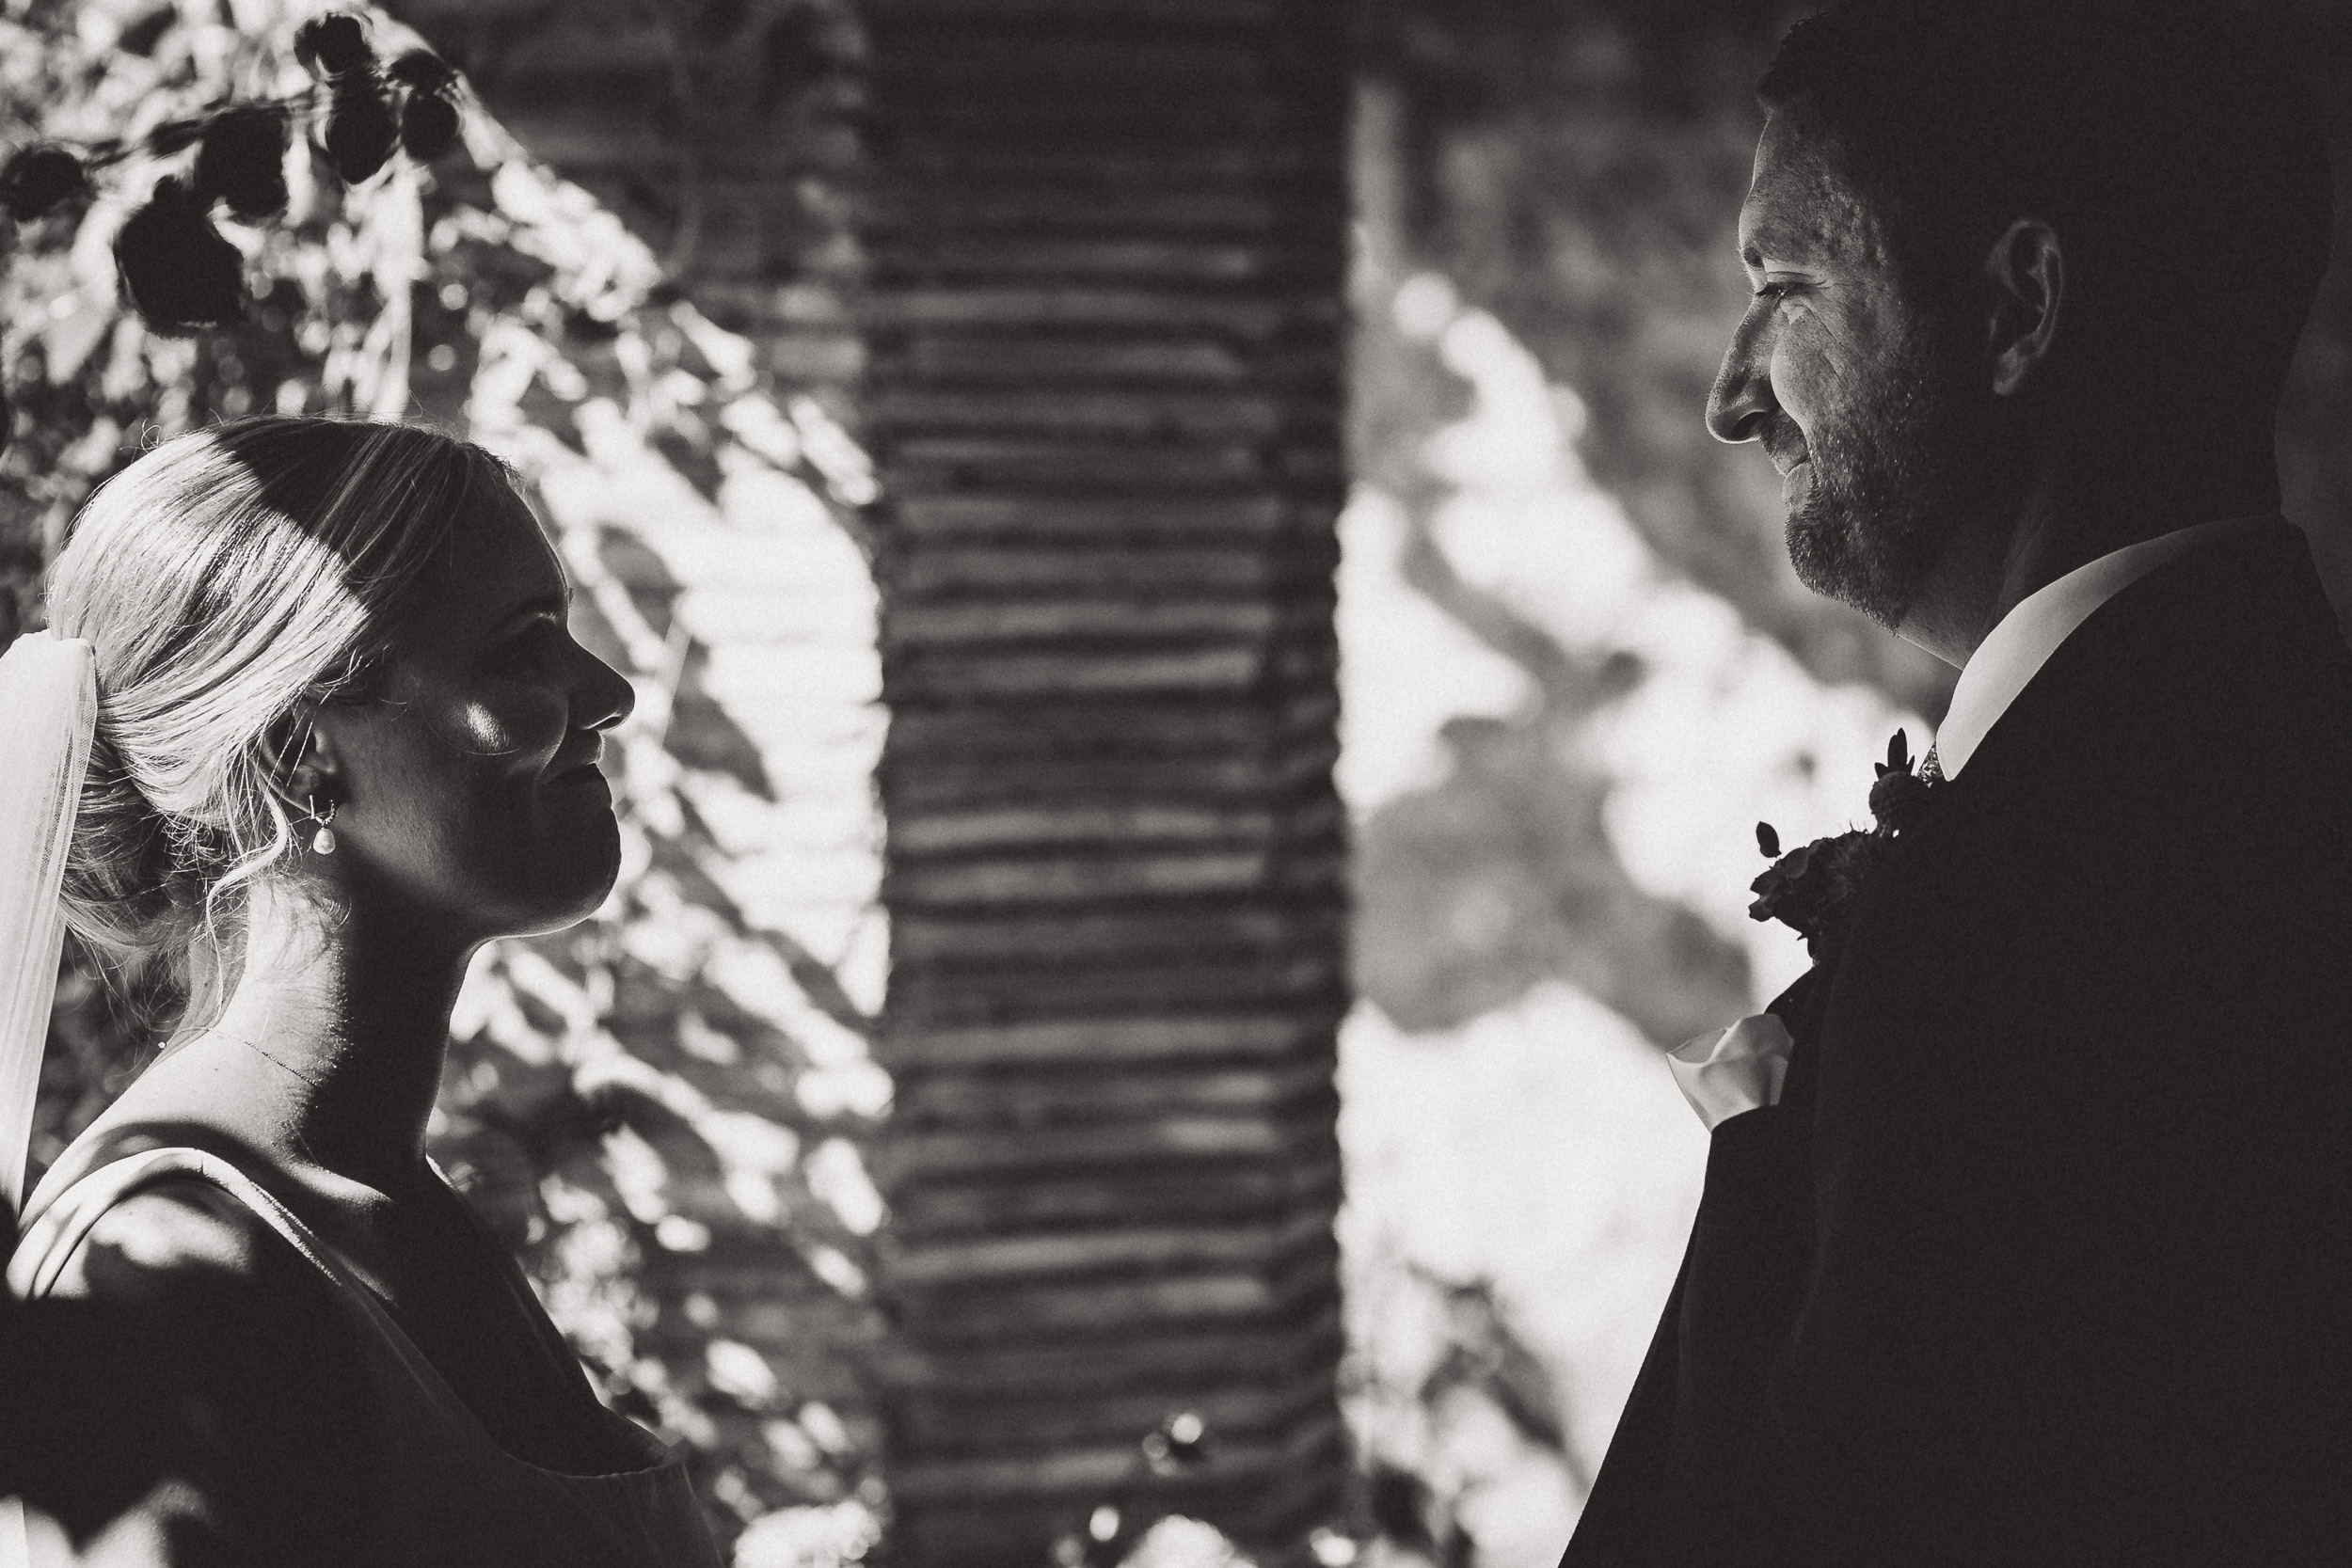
(1175, 784)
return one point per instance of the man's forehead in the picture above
(1801, 207)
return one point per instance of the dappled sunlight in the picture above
(664, 1110)
(1406, 668)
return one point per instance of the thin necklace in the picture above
(273, 1061)
(300, 1142)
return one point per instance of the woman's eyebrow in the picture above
(539, 604)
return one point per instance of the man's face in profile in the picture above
(1862, 400)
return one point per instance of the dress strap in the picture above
(53, 1232)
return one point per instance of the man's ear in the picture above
(2027, 272)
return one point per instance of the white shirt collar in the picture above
(2015, 650)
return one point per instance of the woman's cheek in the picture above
(513, 730)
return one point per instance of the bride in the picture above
(340, 738)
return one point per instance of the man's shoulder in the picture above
(2222, 673)
(2244, 621)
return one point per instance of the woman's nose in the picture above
(605, 697)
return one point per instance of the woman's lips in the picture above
(583, 759)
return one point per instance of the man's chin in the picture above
(1830, 561)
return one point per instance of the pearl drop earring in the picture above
(322, 842)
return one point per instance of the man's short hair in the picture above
(2168, 142)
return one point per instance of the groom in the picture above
(2041, 1252)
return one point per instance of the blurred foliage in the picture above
(1502, 874)
(1431, 1430)
(667, 1097)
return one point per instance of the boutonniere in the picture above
(1812, 888)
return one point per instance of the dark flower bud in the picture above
(360, 131)
(36, 179)
(422, 70)
(1897, 799)
(333, 44)
(180, 275)
(243, 163)
(428, 125)
(1768, 840)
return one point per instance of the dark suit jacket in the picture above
(2043, 1256)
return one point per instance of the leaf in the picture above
(422, 70)
(333, 44)
(36, 179)
(360, 132)
(180, 275)
(428, 125)
(1768, 840)
(243, 163)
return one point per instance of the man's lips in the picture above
(1796, 481)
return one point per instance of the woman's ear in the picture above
(305, 766)
(2028, 273)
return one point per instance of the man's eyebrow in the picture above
(1774, 239)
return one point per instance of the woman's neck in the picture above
(334, 1031)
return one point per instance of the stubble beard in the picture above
(1889, 485)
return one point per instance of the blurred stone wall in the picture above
(1105, 329)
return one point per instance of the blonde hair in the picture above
(230, 580)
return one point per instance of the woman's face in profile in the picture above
(467, 784)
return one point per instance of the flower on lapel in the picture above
(1812, 888)
(1900, 794)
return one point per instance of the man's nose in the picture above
(1743, 395)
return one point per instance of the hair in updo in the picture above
(229, 580)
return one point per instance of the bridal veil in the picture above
(48, 705)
